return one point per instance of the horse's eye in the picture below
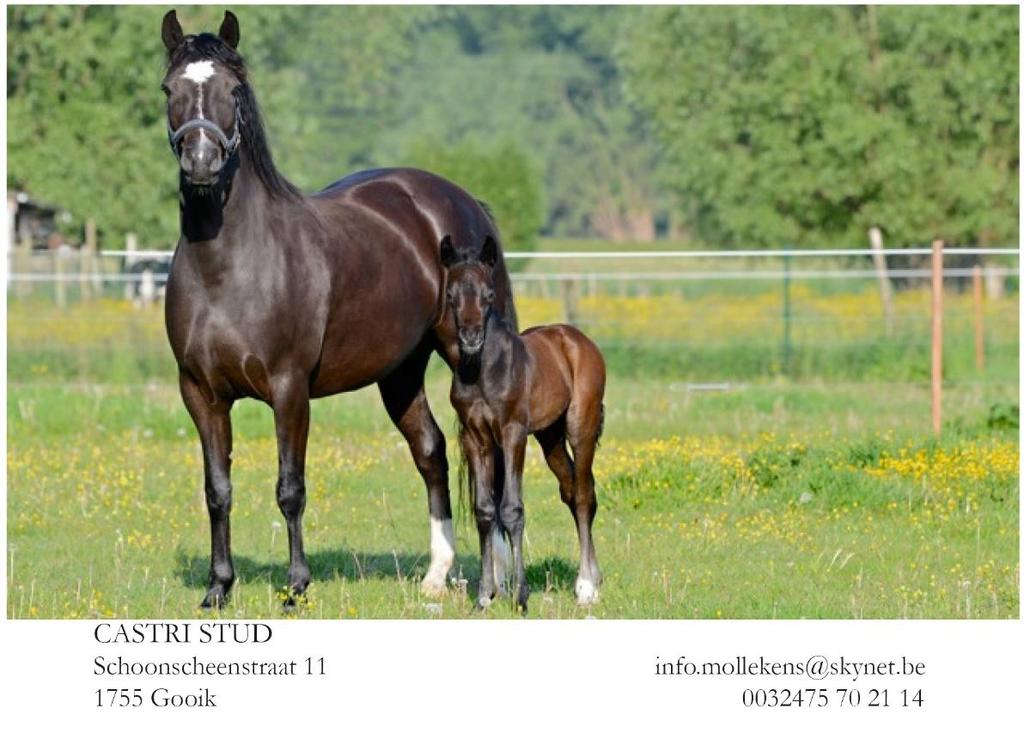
(489, 295)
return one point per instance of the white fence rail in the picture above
(724, 254)
(160, 277)
(990, 272)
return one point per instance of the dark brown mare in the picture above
(547, 381)
(281, 297)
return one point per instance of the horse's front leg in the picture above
(406, 404)
(291, 419)
(213, 422)
(513, 444)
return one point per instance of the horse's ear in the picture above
(171, 31)
(448, 254)
(229, 29)
(489, 252)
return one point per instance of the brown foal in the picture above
(547, 381)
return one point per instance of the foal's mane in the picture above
(207, 46)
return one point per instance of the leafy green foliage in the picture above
(502, 176)
(738, 126)
(809, 125)
(545, 78)
(85, 116)
(86, 120)
(342, 89)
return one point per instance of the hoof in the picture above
(294, 596)
(299, 579)
(483, 603)
(433, 587)
(586, 592)
(215, 599)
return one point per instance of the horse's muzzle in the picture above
(201, 162)
(471, 342)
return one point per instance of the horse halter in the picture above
(174, 136)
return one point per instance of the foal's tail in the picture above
(467, 480)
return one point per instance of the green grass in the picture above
(820, 498)
(106, 514)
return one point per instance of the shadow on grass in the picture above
(547, 575)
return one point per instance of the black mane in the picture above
(207, 46)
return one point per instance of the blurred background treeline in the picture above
(710, 126)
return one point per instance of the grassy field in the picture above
(819, 495)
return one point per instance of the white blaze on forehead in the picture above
(199, 72)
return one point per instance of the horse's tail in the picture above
(467, 479)
(501, 269)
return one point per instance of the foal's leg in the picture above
(513, 443)
(501, 556)
(481, 460)
(552, 443)
(290, 397)
(213, 421)
(406, 404)
(583, 431)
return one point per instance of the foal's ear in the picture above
(229, 29)
(448, 254)
(489, 252)
(171, 31)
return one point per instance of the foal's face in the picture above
(470, 291)
(470, 297)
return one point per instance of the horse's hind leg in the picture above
(406, 404)
(582, 507)
(584, 428)
(291, 418)
(213, 421)
(552, 443)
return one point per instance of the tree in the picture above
(86, 122)
(545, 78)
(501, 175)
(342, 88)
(809, 125)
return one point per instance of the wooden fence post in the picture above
(58, 271)
(88, 258)
(937, 336)
(787, 317)
(875, 237)
(569, 300)
(131, 245)
(979, 320)
(23, 266)
(994, 282)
